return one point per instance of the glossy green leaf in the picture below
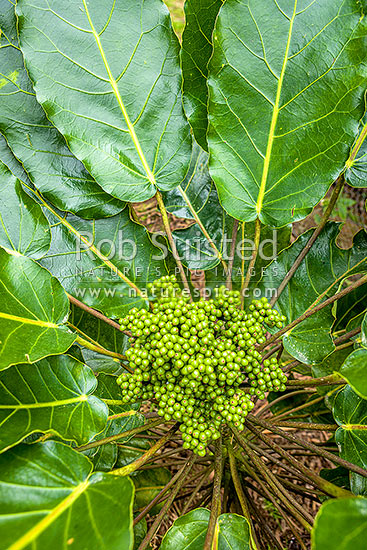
(189, 531)
(286, 85)
(51, 500)
(322, 270)
(350, 413)
(103, 334)
(35, 141)
(108, 76)
(341, 524)
(51, 396)
(197, 48)
(23, 226)
(100, 262)
(33, 312)
(356, 172)
(354, 370)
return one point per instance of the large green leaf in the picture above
(286, 84)
(103, 270)
(108, 76)
(197, 47)
(36, 142)
(356, 172)
(23, 226)
(51, 500)
(51, 396)
(341, 524)
(189, 531)
(33, 312)
(322, 270)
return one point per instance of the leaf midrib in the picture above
(26, 321)
(45, 522)
(117, 94)
(45, 404)
(274, 118)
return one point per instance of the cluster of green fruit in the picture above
(198, 360)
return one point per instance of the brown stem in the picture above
(276, 417)
(96, 313)
(307, 426)
(334, 197)
(197, 489)
(155, 525)
(272, 499)
(172, 243)
(202, 227)
(331, 380)
(314, 310)
(158, 497)
(252, 259)
(310, 446)
(267, 406)
(265, 529)
(232, 254)
(240, 493)
(303, 517)
(130, 468)
(216, 498)
(323, 484)
(121, 435)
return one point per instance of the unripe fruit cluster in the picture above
(198, 360)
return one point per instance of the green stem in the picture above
(232, 254)
(172, 243)
(307, 426)
(130, 468)
(121, 435)
(204, 231)
(314, 310)
(249, 470)
(325, 486)
(216, 498)
(85, 343)
(334, 197)
(252, 262)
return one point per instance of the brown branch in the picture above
(216, 498)
(307, 445)
(155, 525)
(97, 314)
